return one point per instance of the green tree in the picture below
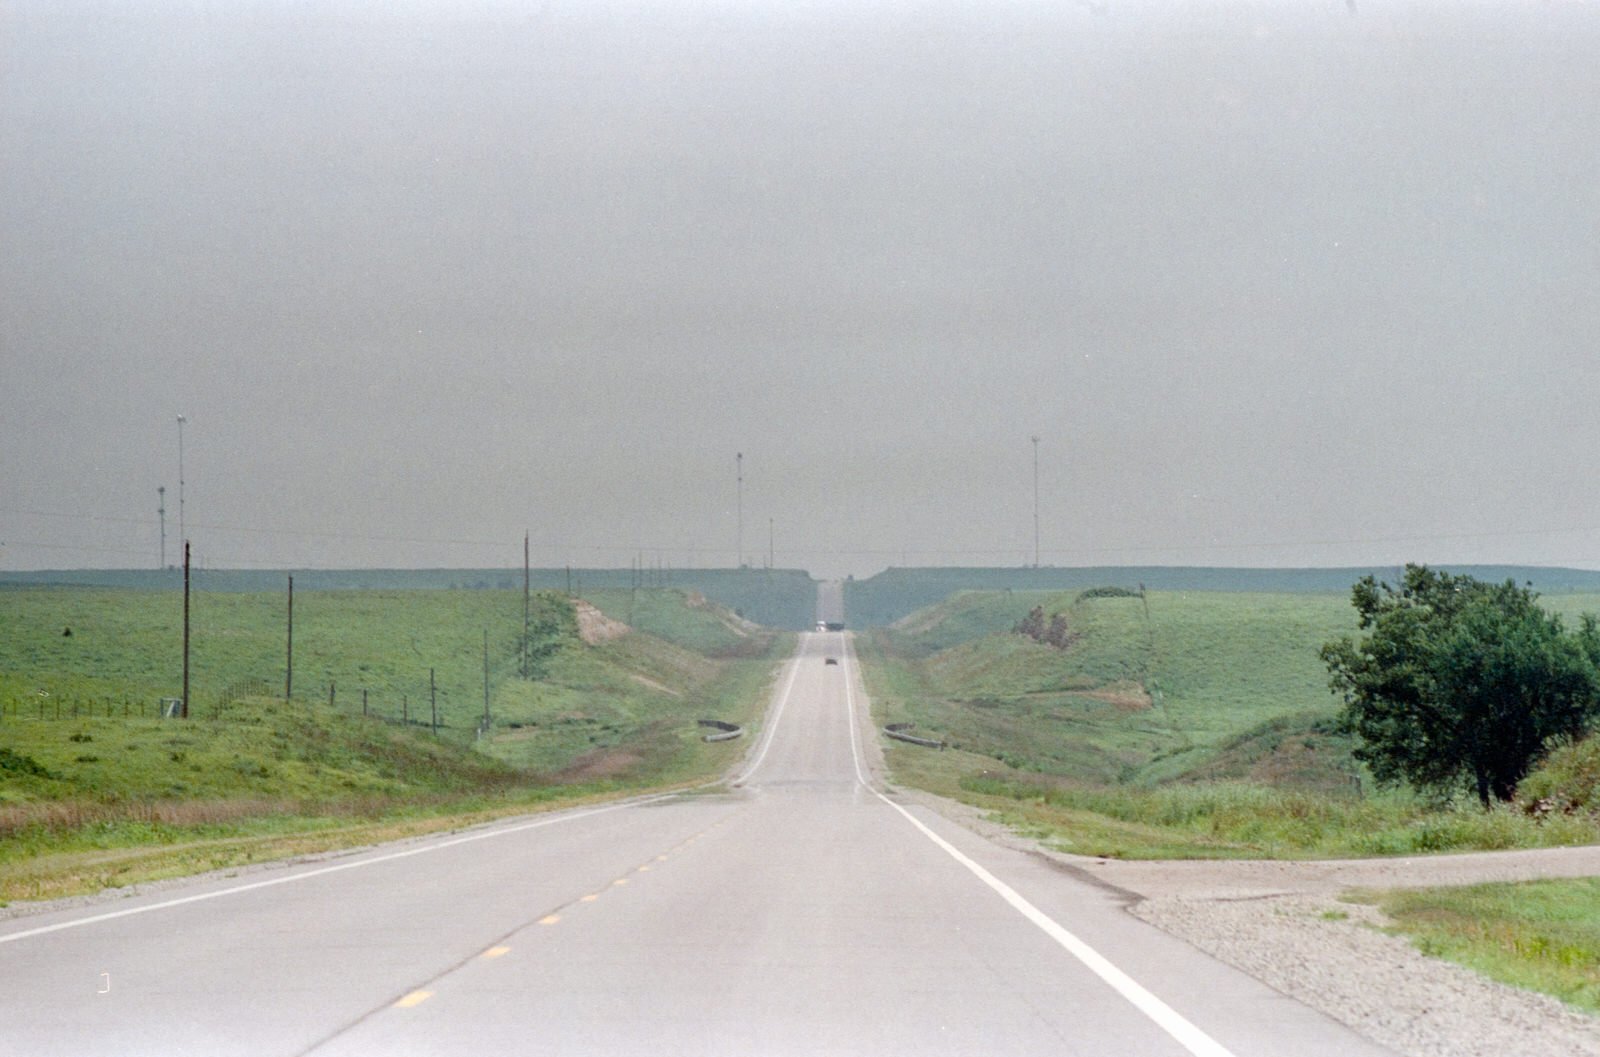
(1459, 682)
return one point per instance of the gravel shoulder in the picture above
(1284, 924)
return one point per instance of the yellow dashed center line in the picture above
(416, 998)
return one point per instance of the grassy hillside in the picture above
(684, 617)
(89, 774)
(92, 802)
(627, 708)
(1180, 723)
(1150, 686)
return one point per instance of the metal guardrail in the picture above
(725, 731)
(898, 731)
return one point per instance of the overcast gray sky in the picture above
(1273, 283)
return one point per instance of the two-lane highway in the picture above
(795, 911)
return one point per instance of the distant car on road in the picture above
(831, 660)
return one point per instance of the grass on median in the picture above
(1539, 935)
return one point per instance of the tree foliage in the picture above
(1459, 682)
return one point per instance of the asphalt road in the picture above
(794, 911)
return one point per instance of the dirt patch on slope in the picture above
(1125, 697)
(601, 763)
(645, 680)
(594, 627)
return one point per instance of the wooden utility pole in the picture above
(184, 710)
(288, 665)
(526, 584)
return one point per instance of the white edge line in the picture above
(772, 724)
(305, 875)
(1168, 1019)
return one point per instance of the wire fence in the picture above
(398, 710)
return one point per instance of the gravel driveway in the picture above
(1282, 922)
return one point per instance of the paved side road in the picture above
(795, 911)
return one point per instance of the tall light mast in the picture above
(182, 532)
(1035, 440)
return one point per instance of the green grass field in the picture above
(124, 652)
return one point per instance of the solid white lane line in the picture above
(1168, 1019)
(340, 867)
(772, 726)
(850, 706)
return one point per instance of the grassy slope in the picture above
(1203, 730)
(1152, 688)
(628, 707)
(681, 617)
(251, 776)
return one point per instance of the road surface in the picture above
(795, 910)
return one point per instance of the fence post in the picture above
(433, 702)
(363, 701)
(330, 694)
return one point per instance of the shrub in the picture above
(17, 763)
(1108, 592)
(1566, 781)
